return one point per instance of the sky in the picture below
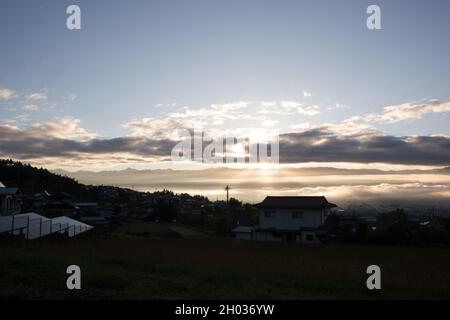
(113, 94)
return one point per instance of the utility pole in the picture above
(227, 188)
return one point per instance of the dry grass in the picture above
(217, 268)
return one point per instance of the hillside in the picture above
(33, 180)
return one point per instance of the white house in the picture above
(292, 219)
(8, 200)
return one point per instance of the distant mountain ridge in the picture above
(311, 170)
(113, 175)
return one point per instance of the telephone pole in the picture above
(227, 188)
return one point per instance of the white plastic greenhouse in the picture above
(32, 225)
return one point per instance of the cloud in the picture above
(347, 128)
(307, 94)
(6, 94)
(354, 140)
(165, 128)
(219, 119)
(301, 126)
(227, 114)
(268, 103)
(269, 123)
(30, 107)
(319, 145)
(406, 111)
(174, 104)
(20, 118)
(338, 106)
(66, 128)
(309, 110)
(214, 112)
(64, 139)
(289, 107)
(294, 107)
(37, 96)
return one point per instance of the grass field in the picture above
(151, 261)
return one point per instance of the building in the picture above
(9, 203)
(51, 204)
(291, 219)
(243, 233)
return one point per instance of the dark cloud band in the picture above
(309, 146)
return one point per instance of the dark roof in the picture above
(8, 191)
(295, 203)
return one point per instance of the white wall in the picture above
(304, 237)
(265, 236)
(283, 219)
(244, 235)
(8, 205)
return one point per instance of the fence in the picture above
(33, 226)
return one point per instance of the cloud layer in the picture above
(65, 139)
(354, 140)
(324, 146)
(406, 111)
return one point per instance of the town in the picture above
(35, 203)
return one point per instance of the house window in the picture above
(297, 215)
(269, 214)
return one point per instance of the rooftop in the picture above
(302, 202)
(8, 191)
(242, 229)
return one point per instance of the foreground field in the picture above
(125, 266)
